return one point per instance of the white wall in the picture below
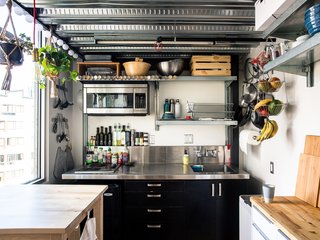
(201, 91)
(299, 119)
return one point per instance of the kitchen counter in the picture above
(154, 171)
(294, 217)
(48, 211)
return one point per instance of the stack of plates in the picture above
(312, 19)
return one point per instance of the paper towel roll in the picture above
(248, 137)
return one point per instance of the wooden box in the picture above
(214, 65)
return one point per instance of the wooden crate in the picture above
(215, 65)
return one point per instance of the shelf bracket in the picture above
(309, 69)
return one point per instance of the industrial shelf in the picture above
(225, 122)
(298, 60)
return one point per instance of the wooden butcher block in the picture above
(308, 179)
(312, 145)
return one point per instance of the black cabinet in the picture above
(213, 209)
(154, 210)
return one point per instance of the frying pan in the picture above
(257, 120)
(242, 115)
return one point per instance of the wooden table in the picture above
(296, 218)
(45, 211)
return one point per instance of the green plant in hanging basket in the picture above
(55, 61)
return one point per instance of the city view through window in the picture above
(19, 158)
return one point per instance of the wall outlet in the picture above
(272, 167)
(152, 139)
(188, 138)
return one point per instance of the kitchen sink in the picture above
(211, 168)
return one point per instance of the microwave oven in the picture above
(116, 99)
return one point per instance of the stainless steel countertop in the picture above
(154, 171)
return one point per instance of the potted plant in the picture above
(54, 62)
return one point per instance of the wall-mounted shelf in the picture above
(225, 122)
(298, 60)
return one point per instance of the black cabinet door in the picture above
(201, 209)
(212, 209)
(227, 215)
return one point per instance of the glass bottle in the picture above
(123, 135)
(97, 137)
(125, 155)
(119, 135)
(110, 136)
(114, 135)
(128, 136)
(105, 137)
(101, 136)
(166, 106)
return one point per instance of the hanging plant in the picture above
(11, 50)
(54, 62)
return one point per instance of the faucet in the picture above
(211, 153)
(199, 154)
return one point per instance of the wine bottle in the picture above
(110, 136)
(97, 137)
(101, 136)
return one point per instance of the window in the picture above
(20, 116)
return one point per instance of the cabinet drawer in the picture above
(260, 221)
(153, 199)
(160, 214)
(153, 186)
(156, 230)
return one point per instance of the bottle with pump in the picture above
(185, 157)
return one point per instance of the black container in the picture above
(16, 57)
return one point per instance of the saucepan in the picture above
(250, 93)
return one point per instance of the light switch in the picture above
(188, 138)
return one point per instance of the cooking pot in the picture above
(250, 93)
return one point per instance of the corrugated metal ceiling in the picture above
(132, 25)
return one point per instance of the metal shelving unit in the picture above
(298, 60)
(226, 122)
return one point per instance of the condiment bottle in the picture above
(166, 106)
(186, 157)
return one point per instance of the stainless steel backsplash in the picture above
(174, 154)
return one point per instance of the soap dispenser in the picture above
(185, 157)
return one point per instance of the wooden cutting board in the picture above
(308, 179)
(312, 145)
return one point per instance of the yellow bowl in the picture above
(136, 68)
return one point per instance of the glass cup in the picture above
(268, 192)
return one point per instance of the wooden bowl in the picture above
(136, 68)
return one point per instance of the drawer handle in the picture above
(154, 184)
(153, 226)
(212, 190)
(220, 192)
(154, 195)
(154, 210)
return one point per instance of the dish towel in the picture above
(89, 231)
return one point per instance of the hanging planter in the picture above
(55, 64)
(11, 50)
